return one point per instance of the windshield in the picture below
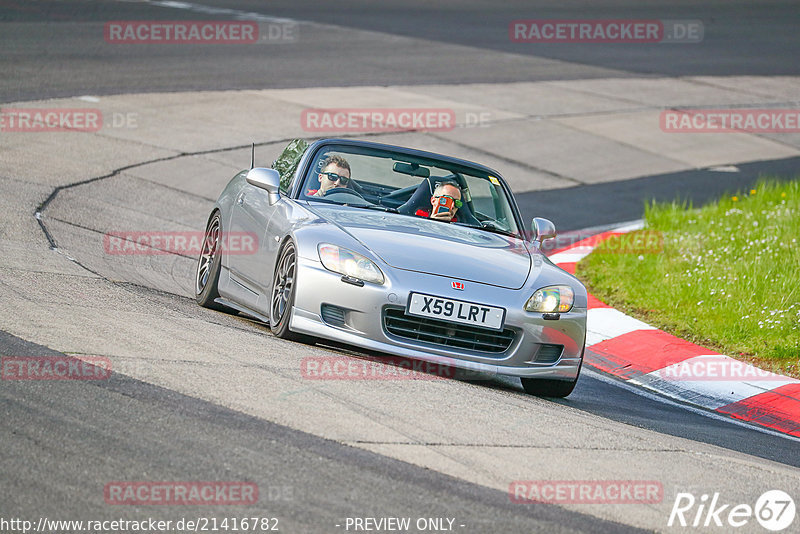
(417, 187)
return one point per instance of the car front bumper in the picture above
(362, 325)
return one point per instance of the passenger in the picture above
(444, 194)
(335, 173)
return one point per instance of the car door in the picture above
(251, 271)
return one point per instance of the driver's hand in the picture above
(447, 216)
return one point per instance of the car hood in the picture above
(433, 247)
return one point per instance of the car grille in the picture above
(437, 332)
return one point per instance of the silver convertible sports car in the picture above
(397, 251)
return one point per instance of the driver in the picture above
(447, 190)
(335, 173)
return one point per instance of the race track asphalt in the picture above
(217, 398)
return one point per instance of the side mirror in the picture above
(267, 179)
(543, 229)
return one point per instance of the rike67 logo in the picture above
(774, 510)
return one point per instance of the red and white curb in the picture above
(644, 355)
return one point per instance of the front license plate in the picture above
(456, 311)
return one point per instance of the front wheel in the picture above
(548, 387)
(552, 388)
(284, 284)
(208, 265)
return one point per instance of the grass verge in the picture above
(725, 276)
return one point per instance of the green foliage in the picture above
(287, 162)
(727, 276)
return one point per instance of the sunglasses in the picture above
(457, 203)
(333, 177)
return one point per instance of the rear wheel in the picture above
(208, 265)
(284, 284)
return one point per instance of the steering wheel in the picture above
(345, 190)
(356, 187)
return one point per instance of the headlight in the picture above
(551, 299)
(346, 262)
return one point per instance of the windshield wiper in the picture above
(320, 199)
(365, 206)
(491, 227)
(374, 207)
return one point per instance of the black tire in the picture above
(284, 287)
(552, 388)
(547, 387)
(208, 265)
